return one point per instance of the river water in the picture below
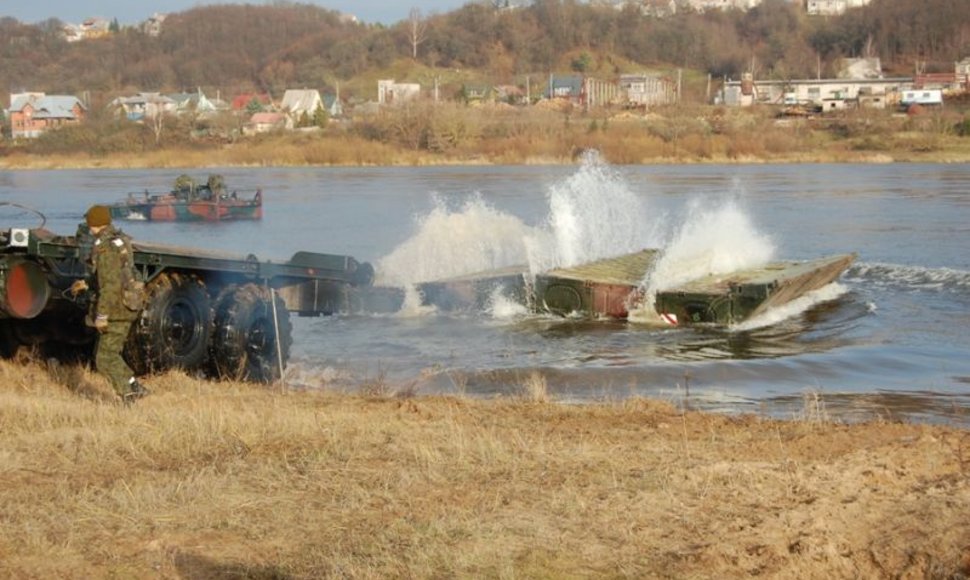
(890, 339)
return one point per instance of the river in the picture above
(888, 340)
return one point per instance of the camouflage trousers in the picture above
(108, 358)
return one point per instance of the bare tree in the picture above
(155, 118)
(417, 30)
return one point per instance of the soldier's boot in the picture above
(135, 391)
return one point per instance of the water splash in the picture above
(712, 240)
(592, 215)
(413, 305)
(801, 304)
(450, 243)
(501, 307)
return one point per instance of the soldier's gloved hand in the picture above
(78, 286)
(101, 323)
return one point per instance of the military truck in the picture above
(220, 314)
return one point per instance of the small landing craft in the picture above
(189, 201)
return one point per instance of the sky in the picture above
(132, 12)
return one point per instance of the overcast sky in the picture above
(132, 12)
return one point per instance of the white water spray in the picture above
(711, 241)
(774, 315)
(592, 215)
(452, 243)
(501, 307)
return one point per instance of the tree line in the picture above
(272, 47)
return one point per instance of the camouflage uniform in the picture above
(111, 255)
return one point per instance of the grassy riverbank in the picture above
(215, 480)
(449, 134)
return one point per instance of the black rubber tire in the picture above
(174, 328)
(244, 346)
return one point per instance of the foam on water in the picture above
(910, 277)
(795, 307)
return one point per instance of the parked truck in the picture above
(220, 314)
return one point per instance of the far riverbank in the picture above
(477, 137)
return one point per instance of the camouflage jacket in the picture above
(112, 264)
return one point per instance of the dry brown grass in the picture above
(430, 134)
(225, 480)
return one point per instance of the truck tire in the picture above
(244, 344)
(174, 328)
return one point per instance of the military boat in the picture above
(190, 201)
(613, 287)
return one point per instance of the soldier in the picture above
(116, 304)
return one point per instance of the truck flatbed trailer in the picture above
(223, 314)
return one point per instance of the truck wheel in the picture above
(244, 345)
(174, 327)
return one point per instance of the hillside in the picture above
(231, 49)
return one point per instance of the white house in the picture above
(922, 97)
(297, 102)
(826, 93)
(390, 92)
(265, 122)
(648, 90)
(144, 105)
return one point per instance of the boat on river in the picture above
(611, 288)
(188, 201)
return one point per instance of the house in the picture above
(924, 97)
(89, 29)
(830, 93)
(333, 105)
(197, 103)
(512, 94)
(299, 102)
(265, 122)
(244, 101)
(704, 5)
(647, 90)
(390, 92)
(832, 7)
(568, 87)
(153, 26)
(144, 105)
(962, 70)
(31, 114)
